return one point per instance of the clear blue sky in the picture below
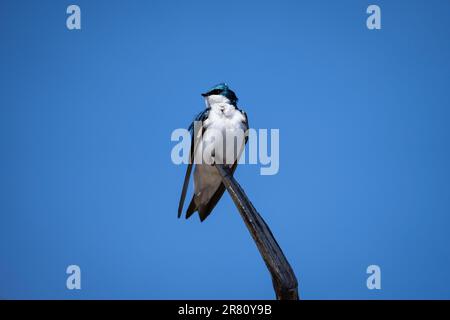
(86, 176)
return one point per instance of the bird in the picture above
(221, 115)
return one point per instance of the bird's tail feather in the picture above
(203, 210)
(192, 208)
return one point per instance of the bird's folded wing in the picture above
(195, 138)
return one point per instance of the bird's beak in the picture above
(204, 94)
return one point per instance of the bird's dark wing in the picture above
(205, 210)
(202, 116)
(246, 123)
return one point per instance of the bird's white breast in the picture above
(225, 119)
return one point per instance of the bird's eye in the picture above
(215, 91)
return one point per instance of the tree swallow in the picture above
(221, 115)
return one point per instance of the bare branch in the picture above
(283, 277)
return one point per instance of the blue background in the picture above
(86, 176)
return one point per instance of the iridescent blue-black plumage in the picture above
(223, 90)
(202, 116)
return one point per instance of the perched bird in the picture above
(221, 115)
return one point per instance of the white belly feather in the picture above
(227, 120)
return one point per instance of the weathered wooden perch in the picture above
(283, 277)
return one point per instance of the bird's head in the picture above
(220, 93)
